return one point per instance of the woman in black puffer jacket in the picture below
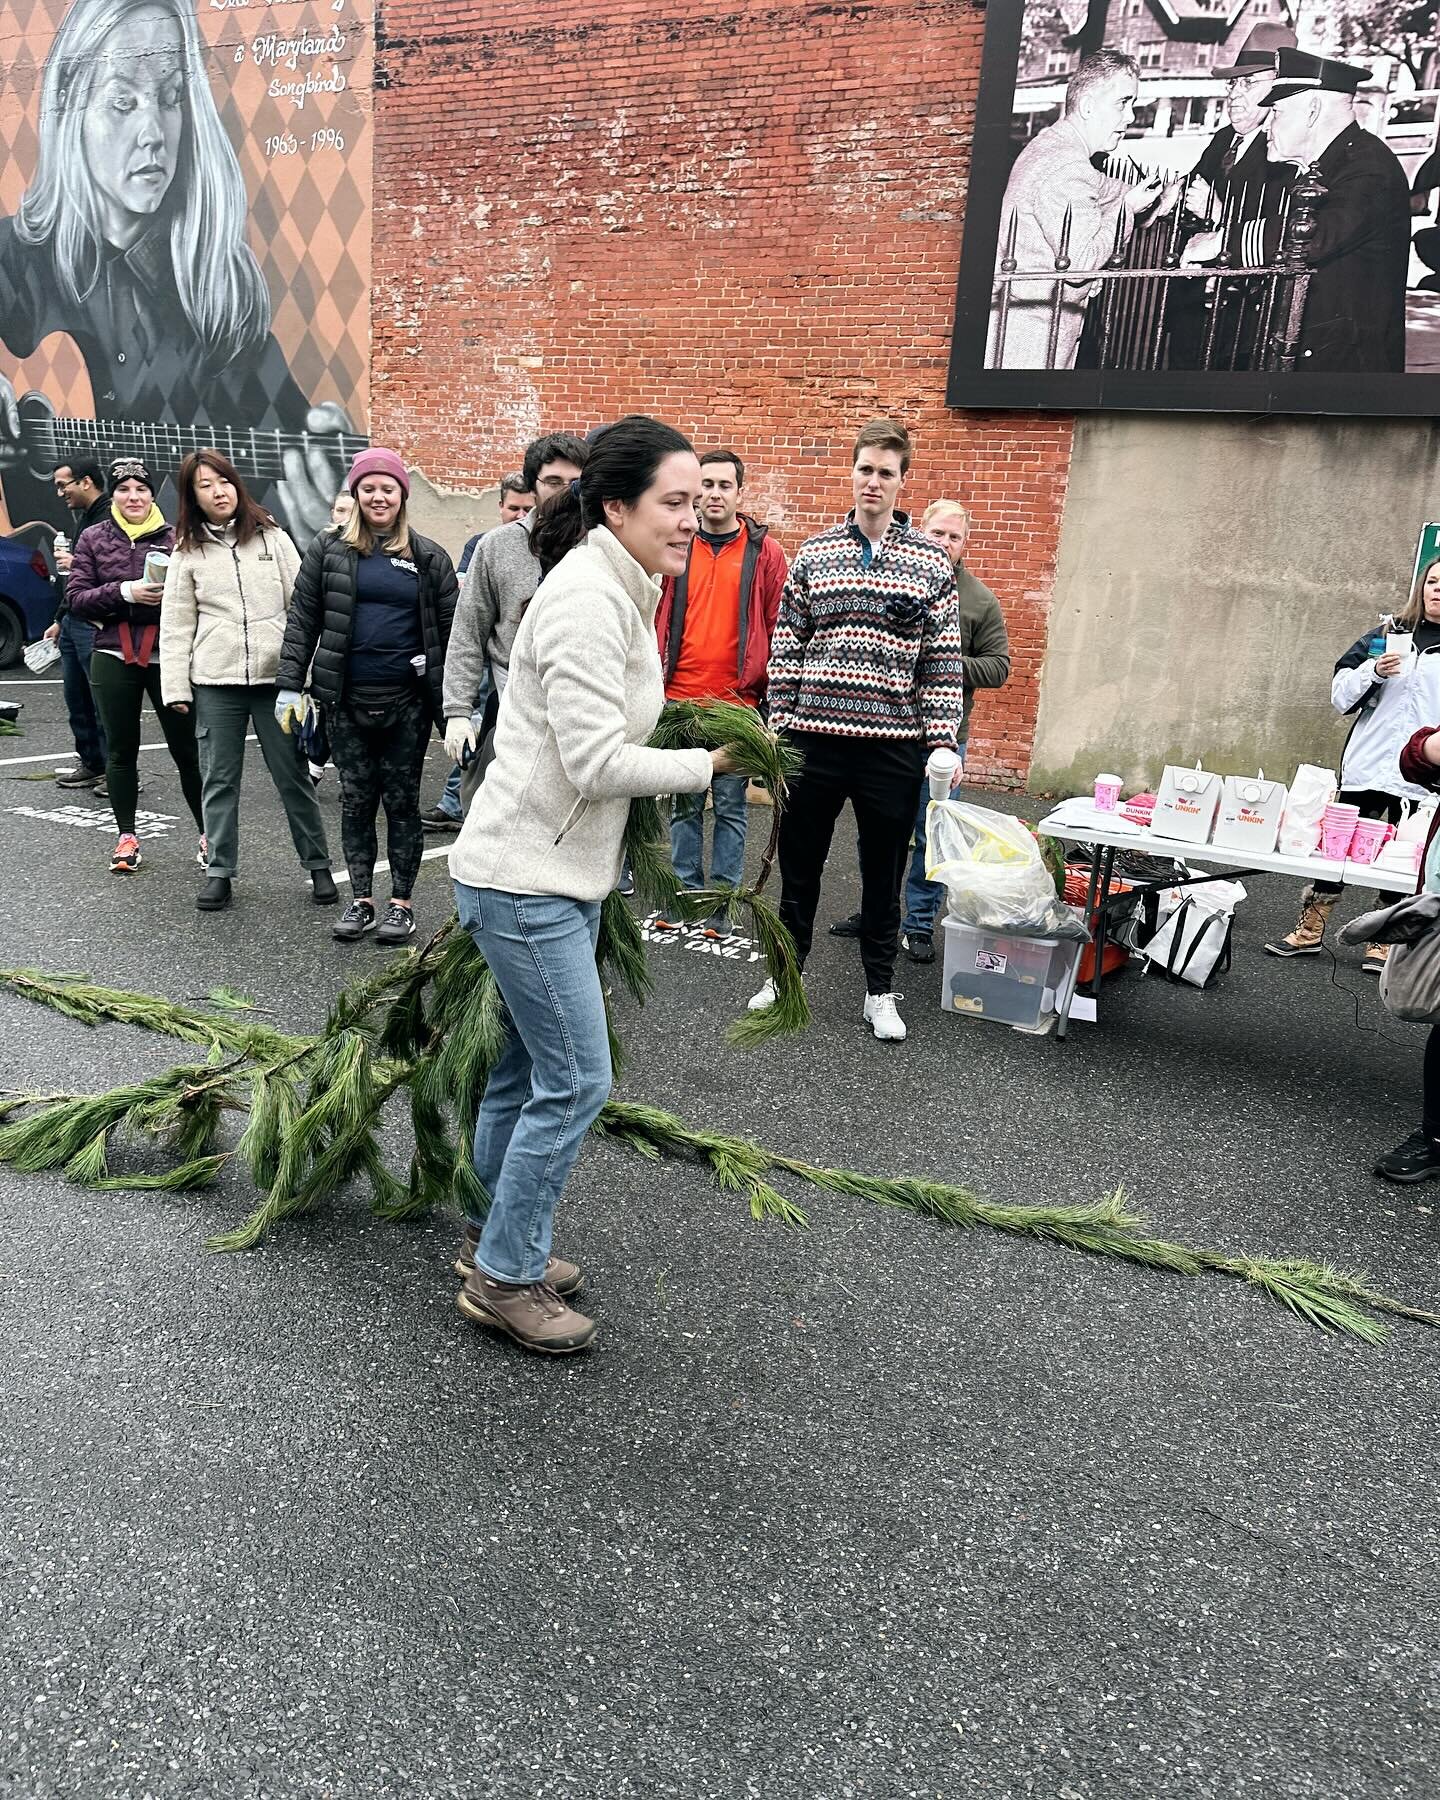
(368, 628)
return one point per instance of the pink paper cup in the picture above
(1365, 844)
(1107, 793)
(1335, 839)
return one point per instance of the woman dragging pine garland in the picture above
(541, 848)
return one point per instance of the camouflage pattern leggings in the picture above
(379, 753)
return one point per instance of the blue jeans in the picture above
(687, 834)
(554, 1075)
(449, 801)
(77, 643)
(923, 899)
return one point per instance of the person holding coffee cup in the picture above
(109, 587)
(1390, 696)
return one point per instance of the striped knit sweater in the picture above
(869, 653)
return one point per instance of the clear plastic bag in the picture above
(994, 875)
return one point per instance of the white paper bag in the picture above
(1251, 809)
(1311, 791)
(1187, 804)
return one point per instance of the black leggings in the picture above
(120, 689)
(375, 762)
(1430, 1118)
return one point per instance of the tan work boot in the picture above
(564, 1277)
(533, 1314)
(1309, 932)
(1375, 955)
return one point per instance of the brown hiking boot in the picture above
(1309, 932)
(564, 1277)
(533, 1314)
(1375, 955)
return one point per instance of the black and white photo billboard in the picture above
(1218, 205)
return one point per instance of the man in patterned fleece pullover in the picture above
(866, 676)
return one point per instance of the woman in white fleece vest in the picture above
(541, 848)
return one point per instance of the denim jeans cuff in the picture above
(512, 1280)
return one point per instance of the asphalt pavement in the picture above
(874, 1508)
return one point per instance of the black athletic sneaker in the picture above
(357, 918)
(1417, 1159)
(919, 946)
(79, 778)
(846, 927)
(397, 927)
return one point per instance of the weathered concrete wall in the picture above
(1210, 571)
(449, 515)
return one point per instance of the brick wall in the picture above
(744, 222)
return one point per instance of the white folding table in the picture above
(1077, 823)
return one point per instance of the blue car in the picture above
(27, 597)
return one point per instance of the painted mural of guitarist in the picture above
(131, 240)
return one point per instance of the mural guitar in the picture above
(130, 239)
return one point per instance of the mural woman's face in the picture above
(135, 120)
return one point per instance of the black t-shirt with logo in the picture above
(385, 632)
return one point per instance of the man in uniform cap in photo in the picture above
(1239, 174)
(1354, 317)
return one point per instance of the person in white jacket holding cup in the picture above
(541, 848)
(1389, 680)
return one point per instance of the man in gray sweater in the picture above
(498, 586)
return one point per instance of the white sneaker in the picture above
(882, 1018)
(765, 999)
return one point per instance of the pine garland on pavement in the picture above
(432, 1023)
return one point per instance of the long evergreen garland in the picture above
(431, 1022)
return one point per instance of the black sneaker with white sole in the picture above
(1416, 1159)
(357, 918)
(397, 927)
(919, 946)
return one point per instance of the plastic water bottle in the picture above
(62, 544)
(1376, 647)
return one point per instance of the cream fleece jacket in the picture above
(584, 693)
(222, 620)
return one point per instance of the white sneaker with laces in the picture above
(883, 1019)
(764, 1000)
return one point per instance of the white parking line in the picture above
(382, 868)
(68, 756)
(22, 681)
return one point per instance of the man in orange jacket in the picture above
(714, 625)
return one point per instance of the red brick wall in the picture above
(746, 222)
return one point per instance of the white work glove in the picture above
(459, 738)
(290, 709)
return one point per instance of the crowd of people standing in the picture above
(625, 572)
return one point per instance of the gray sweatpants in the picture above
(223, 715)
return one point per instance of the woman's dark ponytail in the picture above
(621, 464)
(560, 525)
